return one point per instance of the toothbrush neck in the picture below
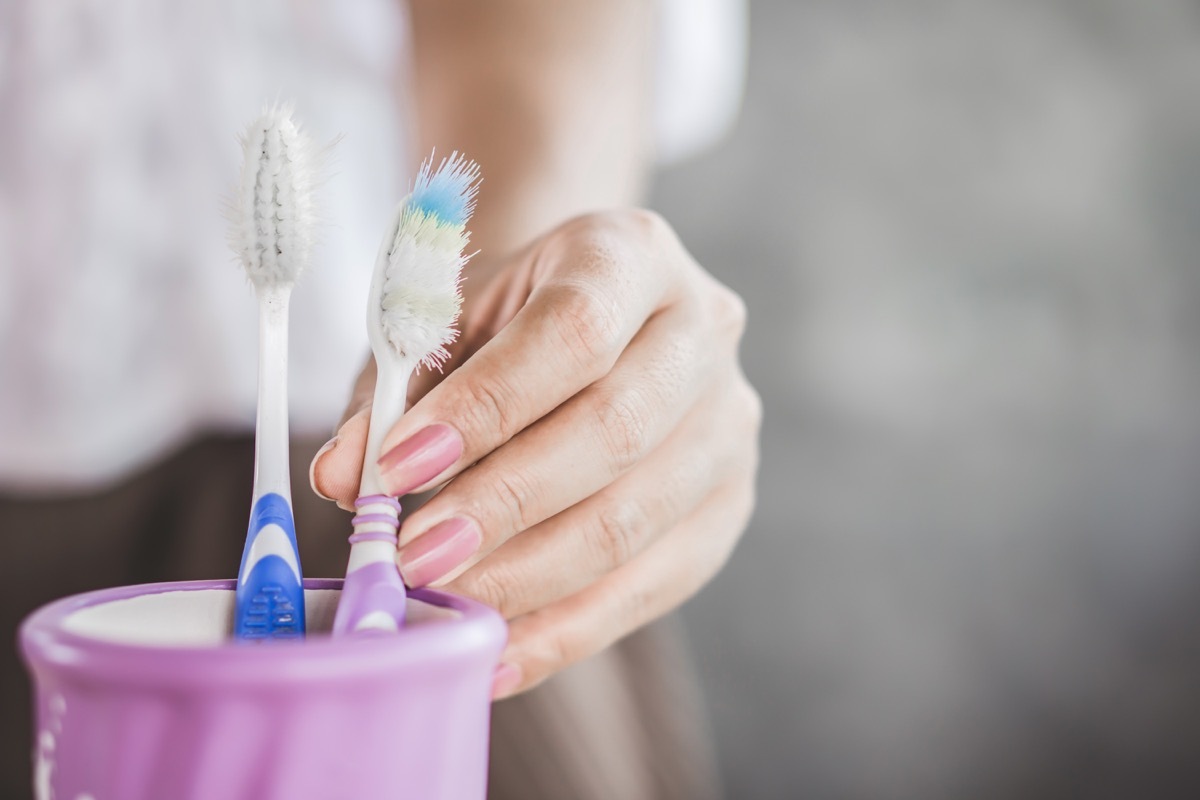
(271, 461)
(391, 392)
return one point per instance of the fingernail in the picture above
(506, 679)
(312, 467)
(438, 551)
(420, 458)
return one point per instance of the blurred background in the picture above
(968, 236)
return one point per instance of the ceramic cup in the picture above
(141, 695)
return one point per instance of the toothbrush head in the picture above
(420, 298)
(272, 213)
(447, 193)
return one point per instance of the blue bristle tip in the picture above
(448, 192)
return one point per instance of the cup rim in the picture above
(47, 644)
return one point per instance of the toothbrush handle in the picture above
(270, 595)
(271, 446)
(387, 406)
(373, 595)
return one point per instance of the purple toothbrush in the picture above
(414, 303)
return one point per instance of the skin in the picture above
(609, 438)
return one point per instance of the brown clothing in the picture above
(625, 725)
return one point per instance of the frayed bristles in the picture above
(448, 192)
(421, 294)
(421, 289)
(272, 214)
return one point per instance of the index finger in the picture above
(596, 292)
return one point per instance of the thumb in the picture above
(362, 394)
(336, 470)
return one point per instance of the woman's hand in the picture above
(599, 437)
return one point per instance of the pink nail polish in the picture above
(506, 679)
(420, 458)
(437, 551)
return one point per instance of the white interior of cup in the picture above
(204, 617)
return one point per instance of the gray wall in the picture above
(968, 234)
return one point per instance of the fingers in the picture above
(666, 574)
(607, 423)
(571, 550)
(363, 392)
(595, 289)
(577, 450)
(336, 469)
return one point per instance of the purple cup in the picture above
(141, 695)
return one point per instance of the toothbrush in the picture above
(413, 304)
(272, 220)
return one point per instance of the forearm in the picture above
(549, 96)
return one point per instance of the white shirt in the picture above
(126, 325)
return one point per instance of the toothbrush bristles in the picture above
(449, 191)
(421, 290)
(272, 212)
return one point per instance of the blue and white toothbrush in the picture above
(413, 305)
(272, 233)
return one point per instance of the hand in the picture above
(598, 434)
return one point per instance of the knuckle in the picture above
(644, 223)
(620, 528)
(489, 585)
(484, 406)
(554, 653)
(579, 225)
(638, 606)
(649, 223)
(553, 657)
(518, 499)
(587, 325)
(562, 651)
(623, 428)
(730, 311)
